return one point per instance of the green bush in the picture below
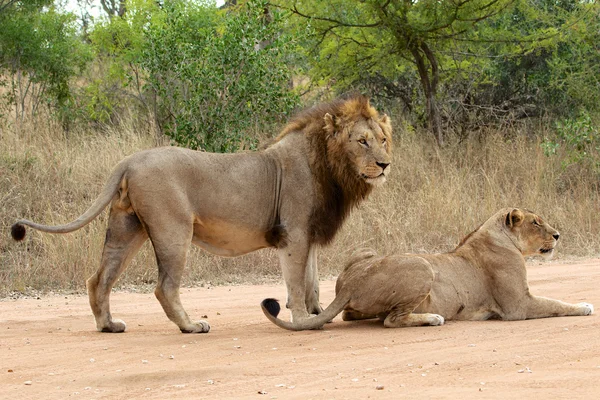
(579, 139)
(218, 75)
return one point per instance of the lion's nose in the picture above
(383, 166)
(556, 236)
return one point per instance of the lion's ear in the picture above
(386, 125)
(515, 218)
(331, 124)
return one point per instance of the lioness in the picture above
(483, 278)
(293, 196)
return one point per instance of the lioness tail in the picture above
(271, 309)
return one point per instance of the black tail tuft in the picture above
(272, 306)
(17, 231)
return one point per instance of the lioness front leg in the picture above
(542, 307)
(124, 236)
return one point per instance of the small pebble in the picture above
(28, 383)
(379, 387)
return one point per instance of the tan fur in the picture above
(483, 278)
(293, 196)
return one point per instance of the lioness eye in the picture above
(536, 223)
(362, 141)
(383, 141)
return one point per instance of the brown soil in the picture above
(49, 349)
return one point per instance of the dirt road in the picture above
(49, 349)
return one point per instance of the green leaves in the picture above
(218, 75)
(40, 52)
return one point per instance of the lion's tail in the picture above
(112, 186)
(271, 309)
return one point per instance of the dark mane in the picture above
(338, 189)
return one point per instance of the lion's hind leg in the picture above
(353, 315)
(124, 236)
(171, 243)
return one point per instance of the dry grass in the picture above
(433, 198)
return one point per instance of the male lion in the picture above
(293, 196)
(483, 278)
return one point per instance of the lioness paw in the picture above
(198, 327)
(586, 308)
(436, 320)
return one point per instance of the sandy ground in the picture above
(50, 350)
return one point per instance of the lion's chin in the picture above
(378, 181)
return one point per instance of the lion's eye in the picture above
(362, 141)
(536, 223)
(383, 141)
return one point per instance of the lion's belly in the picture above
(224, 238)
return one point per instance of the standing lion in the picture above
(293, 196)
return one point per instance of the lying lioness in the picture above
(483, 278)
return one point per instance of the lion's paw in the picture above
(586, 308)
(114, 326)
(198, 327)
(436, 320)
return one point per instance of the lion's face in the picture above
(367, 144)
(534, 235)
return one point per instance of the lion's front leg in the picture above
(312, 283)
(542, 307)
(294, 259)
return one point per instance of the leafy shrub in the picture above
(217, 74)
(579, 138)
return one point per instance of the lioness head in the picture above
(532, 234)
(361, 136)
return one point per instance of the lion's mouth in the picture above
(367, 177)
(545, 250)
(376, 181)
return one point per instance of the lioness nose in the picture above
(556, 236)
(383, 165)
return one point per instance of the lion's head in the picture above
(358, 136)
(347, 134)
(532, 235)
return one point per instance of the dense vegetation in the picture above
(212, 77)
(494, 103)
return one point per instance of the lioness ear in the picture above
(331, 124)
(514, 218)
